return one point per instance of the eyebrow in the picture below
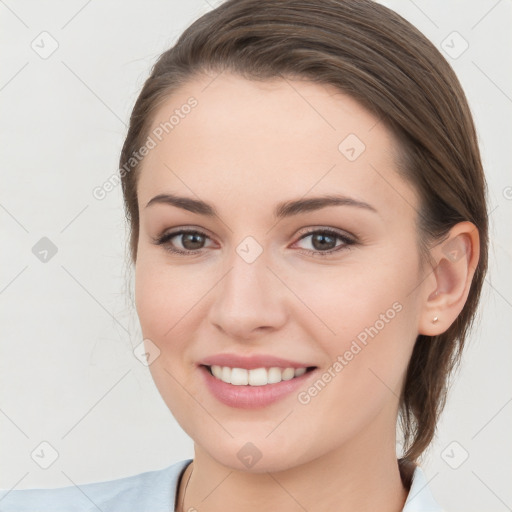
(282, 210)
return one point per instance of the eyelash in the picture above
(347, 242)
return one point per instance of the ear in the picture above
(446, 289)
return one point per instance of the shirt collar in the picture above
(420, 498)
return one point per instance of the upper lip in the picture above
(251, 362)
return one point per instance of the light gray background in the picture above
(68, 373)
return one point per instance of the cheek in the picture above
(149, 297)
(165, 297)
(367, 329)
(343, 301)
(164, 301)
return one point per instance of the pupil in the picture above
(189, 237)
(322, 244)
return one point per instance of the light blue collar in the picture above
(420, 498)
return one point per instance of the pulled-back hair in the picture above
(377, 57)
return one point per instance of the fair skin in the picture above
(246, 147)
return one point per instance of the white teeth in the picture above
(274, 375)
(300, 371)
(288, 374)
(217, 371)
(226, 374)
(255, 377)
(239, 376)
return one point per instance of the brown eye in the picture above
(191, 241)
(321, 241)
(324, 242)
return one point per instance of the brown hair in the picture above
(374, 55)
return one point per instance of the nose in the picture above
(249, 301)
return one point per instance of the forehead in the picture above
(267, 140)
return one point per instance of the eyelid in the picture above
(324, 229)
(347, 239)
(166, 236)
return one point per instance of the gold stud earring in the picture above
(435, 320)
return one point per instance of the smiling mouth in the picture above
(256, 376)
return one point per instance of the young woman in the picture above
(307, 207)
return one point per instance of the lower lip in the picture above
(251, 397)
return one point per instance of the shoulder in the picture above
(420, 498)
(153, 491)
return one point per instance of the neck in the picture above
(364, 477)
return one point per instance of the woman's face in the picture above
(347, 301)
